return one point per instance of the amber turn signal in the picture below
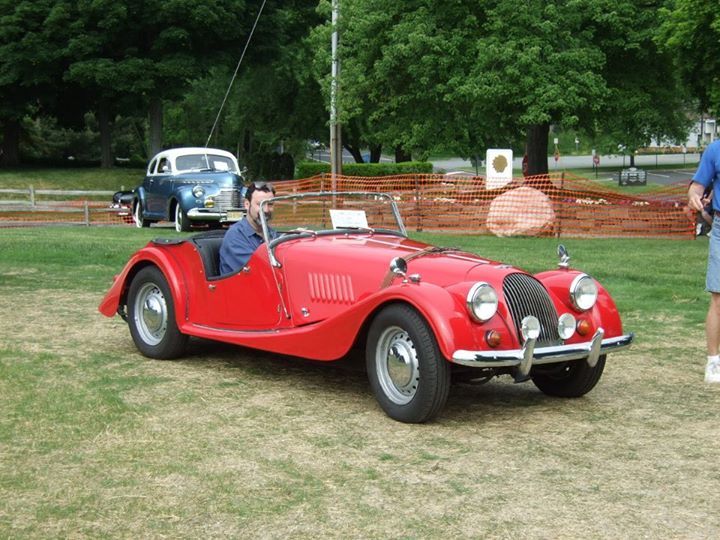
(583, 327)
(492, 337)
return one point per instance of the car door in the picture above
(159, 189)
(247, 300)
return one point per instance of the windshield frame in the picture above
(401, 231)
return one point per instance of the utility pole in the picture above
(335, 138)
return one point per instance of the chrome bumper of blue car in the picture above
(524, 359)
(213, 214)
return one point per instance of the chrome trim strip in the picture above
(525, 358)
(207, 214)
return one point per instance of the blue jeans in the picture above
(712, 279)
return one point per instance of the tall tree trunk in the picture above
(537, 143)
(375, 153)
(632, 159)
(355, 151)
(401, 155)
(10, 149)
(156, 125)
(106, 160)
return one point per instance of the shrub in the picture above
(306, 169)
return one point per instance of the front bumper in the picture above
(213, 214)
(524, 359)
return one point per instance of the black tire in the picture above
(151, 316)
(138, 218)
(182, 223)
(570, 379)
(409, 376)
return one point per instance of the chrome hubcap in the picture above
(151, 314)
(397, 365)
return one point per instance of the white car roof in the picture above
(172, 153)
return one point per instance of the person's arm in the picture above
(695, 196)
(703, 178)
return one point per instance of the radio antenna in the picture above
(237, 68)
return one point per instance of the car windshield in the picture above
(204, 162)
(339, 212)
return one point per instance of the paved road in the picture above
(577, 162)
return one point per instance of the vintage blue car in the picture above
(190, 186)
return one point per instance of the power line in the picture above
(237, 68)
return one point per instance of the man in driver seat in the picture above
(245, 236)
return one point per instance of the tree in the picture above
(635, 112)
(275, 105)
(469, 74)
(32, 38)
(142, 52)
(398, 63)
(690, 31)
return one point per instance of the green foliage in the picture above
(275, 104)
(306, 169)
(690, 31)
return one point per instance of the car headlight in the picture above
(583, 292)
(482, 301)
(198, 191)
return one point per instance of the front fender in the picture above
(185, 199)
(604, 313)
(444, 312)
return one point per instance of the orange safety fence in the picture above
(558, 204)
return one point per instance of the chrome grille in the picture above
(525, 296)
(227, 198)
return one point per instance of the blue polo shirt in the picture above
(239, 244)
(709, 171)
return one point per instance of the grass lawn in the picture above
(80, 178)
(98, 441)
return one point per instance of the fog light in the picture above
(530, 327)
(209, 203)
(492, 337)
(566, 326)
(583, 327)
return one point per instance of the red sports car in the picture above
(342, 274)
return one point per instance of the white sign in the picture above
(498, 168)
(348, 219)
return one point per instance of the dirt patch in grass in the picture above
(97, 440)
